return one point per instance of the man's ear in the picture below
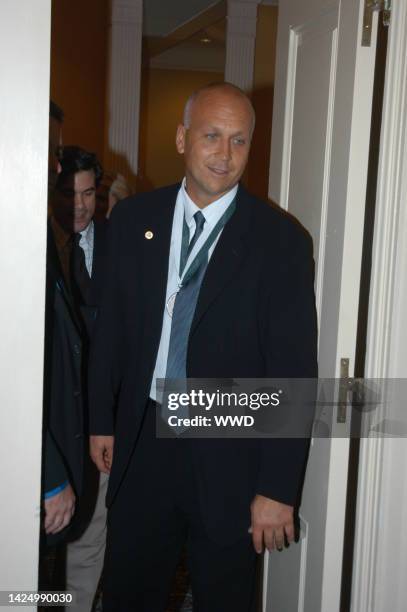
(180, 138)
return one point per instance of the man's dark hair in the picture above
(56, 112)
(74, 159)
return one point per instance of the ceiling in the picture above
(161, 17)
(187, 34)
(205, 50)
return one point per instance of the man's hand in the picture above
(101, 451)
(59, 510)
(270, 521)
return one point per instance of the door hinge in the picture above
(370, 7)
(347, 386)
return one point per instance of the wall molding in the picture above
(124, 83)
(127, 12)
(241, 42)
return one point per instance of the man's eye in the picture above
(239, 141)
(211, 136)
(89, 192)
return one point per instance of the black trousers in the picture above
(155, 513)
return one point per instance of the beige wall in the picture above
(163, 95)
(265, 57)
(78, 69)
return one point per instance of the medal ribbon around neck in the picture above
(203, 252)
(201, 255)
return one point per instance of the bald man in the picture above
(205, 281)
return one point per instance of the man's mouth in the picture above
(218, 171)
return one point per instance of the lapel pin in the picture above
(148, 235)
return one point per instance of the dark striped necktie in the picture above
(80, 279)
(184, 309)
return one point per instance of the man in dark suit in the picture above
(247, 311)
(80, 245)
(63, 421)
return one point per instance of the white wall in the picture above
(24, 103)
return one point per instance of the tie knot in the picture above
(77, 239)
(199, 221)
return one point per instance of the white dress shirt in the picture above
(86, 242)
(185, 207)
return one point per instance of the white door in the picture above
(25, 28)
(318, 172)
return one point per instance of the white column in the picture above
(240, 42)
(124, 87)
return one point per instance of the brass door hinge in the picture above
(353, 387)
(370, 7)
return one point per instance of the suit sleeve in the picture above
(54, 470)
(104, 373)
(291, 346)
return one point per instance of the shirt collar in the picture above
(87, 233)
(62, 237)
(212, 212)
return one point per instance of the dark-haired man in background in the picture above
(80, 243)
(76, 234)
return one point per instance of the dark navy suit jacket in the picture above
(255, 317)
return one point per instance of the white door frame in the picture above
(24, 110)
(382, 489)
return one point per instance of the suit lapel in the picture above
(99, 260)
(231, 250)
(156, 250)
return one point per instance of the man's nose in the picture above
(225, 148)
(78, 200)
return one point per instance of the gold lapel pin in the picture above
(149, 235)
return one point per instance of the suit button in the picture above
(77, 349)
(78, 435)
(76, 393)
